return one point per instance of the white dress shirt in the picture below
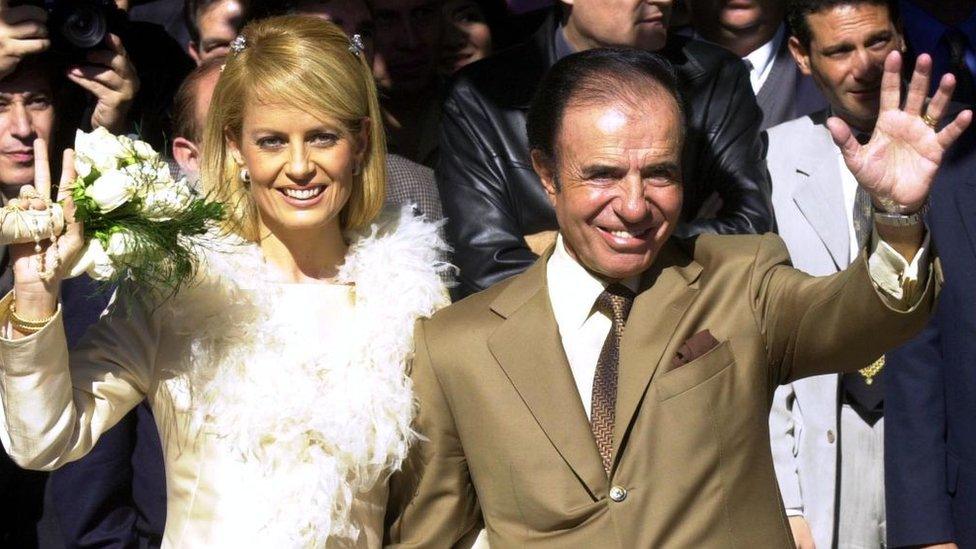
(760, 61)
(573, 292)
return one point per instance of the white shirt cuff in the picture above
(794, 512)
(897, 279)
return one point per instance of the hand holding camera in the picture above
(85, 33)
(110, 76)
(23, 32)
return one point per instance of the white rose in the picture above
(112, 190)
(162, 201)
(94, 261)
(100, 148)
(147, 173)
(121, 246)
(144, 151)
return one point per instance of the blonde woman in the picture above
(277, 380)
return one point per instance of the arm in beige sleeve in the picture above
(432, 500)
(51, 413)
(822, 325)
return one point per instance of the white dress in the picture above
(282, 408)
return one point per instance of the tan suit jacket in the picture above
(508, 434)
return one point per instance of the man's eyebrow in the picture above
(880, 35)
(667, 167)
(595, 170)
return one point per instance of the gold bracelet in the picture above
(24, 325)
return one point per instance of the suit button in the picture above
(618, 494)
(830, 436)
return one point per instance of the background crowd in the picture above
(882, 457)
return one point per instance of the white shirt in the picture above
(573, 291)
(760, 61)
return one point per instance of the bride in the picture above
(278, 379)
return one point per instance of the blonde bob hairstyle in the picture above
(305, 63)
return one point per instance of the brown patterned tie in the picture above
(615, 302)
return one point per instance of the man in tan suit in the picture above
(564, 411)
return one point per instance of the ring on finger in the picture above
(930, 121)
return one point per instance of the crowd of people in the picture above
(507, 273)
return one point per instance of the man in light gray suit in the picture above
(755, 31)
(827, 431)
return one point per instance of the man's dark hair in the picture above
(597, 76)
(797, 12)
(185, 102)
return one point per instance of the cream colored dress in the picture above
(282, 408)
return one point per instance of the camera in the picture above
(78, 26)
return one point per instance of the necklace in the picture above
(872, 370)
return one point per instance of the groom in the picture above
(616, 394)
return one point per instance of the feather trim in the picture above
(306, 421)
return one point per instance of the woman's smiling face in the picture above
(302, 167)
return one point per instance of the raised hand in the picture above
(898, 165)
(37, 295)
(22, 32)
(112, 79)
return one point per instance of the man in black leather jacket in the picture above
(494, 200)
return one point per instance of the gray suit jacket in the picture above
(810, 212)
(787, 93)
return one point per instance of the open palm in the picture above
(898, 165)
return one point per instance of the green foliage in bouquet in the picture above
(140, 224)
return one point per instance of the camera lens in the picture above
(84, 27)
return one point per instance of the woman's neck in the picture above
(305, 256)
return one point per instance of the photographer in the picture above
(131, 74)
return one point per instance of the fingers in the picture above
(115, 44)
(19, 14)
(844, 138)
(891, 82)
(30, 28)
(918, 88)
(31, 46)
(107, 77)
(42, 169)
(954, 129)
(940, 101)
(68, 173)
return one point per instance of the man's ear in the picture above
(544, 167)
(187, 155)
(800, 54)
(194, 53)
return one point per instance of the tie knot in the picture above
(616, 301)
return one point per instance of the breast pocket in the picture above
(696, 372)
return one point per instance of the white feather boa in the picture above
(306, 422)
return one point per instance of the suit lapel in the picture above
(671, 288)
(528, 348)
(820, 197)
(776, 97)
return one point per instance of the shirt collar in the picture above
(572, 289)
(763, 56)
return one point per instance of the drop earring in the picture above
(245, 176)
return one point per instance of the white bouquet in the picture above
(139, 222)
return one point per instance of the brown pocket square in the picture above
(696, 346)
